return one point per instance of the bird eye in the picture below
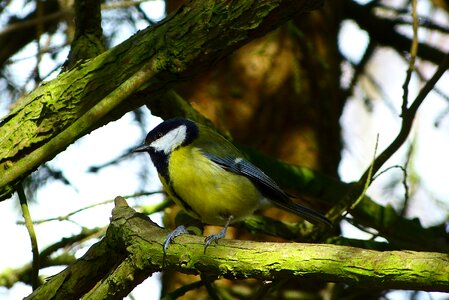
(159, 135)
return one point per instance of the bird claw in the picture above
(214, 238)
(181, 229)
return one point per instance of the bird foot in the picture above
(214, 238)
(181, 229)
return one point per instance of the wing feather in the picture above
(267, 186)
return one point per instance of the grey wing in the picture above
(267, 186)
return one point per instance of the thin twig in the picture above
(409, 116)
(67, 216)
(383, 95)
(407, 121)
(388, 169)
(369, 178)
(144, 15)
(413, 54)
(404, 180)
(355, 194)
(440, 93)
(39, 32)
(359, 68)
(423, 23)
(29, 225)
(65, 13)
(437, 90)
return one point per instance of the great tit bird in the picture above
(210, 179)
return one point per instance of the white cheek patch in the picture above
(172, 139)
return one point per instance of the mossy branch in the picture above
(89, 40)
(398, 230)
(132, 250)
(32, 233)
(94, 92)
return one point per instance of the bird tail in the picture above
(307, 213)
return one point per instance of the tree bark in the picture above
(132, 250)
(57, 113)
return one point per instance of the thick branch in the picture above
(181, 46)
(88, 41)
(137, 246)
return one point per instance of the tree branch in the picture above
(31, 232)
(135, 244)
(401, 232)
(181, 46)
(88, 41)
(408, 115)
(382, 31)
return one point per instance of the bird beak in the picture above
(142, 148)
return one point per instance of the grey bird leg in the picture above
(171, 236)
(215, 237)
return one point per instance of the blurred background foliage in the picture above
(314, 93)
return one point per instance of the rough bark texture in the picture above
(88, 41)
(183, 45)
(132, 250)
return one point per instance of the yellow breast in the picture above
(213, 193)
